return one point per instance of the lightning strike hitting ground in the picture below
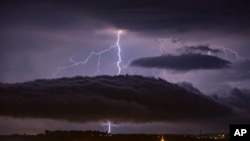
(109, 127)
(76, 63)
(108, 124)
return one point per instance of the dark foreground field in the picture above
(101, 136)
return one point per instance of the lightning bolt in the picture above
(162, 47)
(226, 50)
(76, 63)
(109, 125)
(162, 51)
(223, 49)
(119, 52)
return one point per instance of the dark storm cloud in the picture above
(183, 62)
(178, 15)
(241, 70)
(200, 49)
(120, 98)
(238, 73)
(33, 33)
(189, 87)
(239, 98)
(150, 15)
(53, 15)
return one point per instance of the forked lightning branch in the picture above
(98, 54)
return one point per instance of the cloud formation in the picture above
(200, 49)
(189, 87)
(183, 62)
(118, 98)
(175, 15)
(238, 98)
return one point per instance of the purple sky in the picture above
(38, 37)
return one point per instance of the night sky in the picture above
(201, 48)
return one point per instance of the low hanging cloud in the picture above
(189, 87)
(183, 62)
(117, 98)
(238, 98)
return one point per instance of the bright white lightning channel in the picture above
(108, 124)
(76, 63)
